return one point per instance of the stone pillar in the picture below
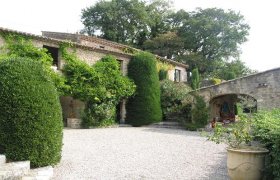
(123, 112)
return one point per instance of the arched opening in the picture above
(226, 108)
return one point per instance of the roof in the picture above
(93, 39)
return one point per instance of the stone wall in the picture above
(183, 76)
(264, 87)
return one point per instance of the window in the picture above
(54, 54)
(177, 75)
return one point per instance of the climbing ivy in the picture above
(101, 86)
(20, 46)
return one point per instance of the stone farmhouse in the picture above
(91, 49)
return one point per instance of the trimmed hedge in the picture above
(30, 113)
(144, 108)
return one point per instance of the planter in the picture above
(74, 123)
(246, 163)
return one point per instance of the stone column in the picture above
(123, 112)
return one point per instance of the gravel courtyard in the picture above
(139, 153)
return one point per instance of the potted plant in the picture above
(245, 158)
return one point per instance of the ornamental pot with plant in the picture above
(245, 159)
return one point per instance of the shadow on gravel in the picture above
(173, 131)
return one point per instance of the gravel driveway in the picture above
(139, 153)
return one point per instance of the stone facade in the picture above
(183, 74)
(90, 50)
(264, 87)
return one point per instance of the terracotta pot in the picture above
(246, 163)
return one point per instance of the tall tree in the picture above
(203, 39)
(165, 45)
(126, 21)
(117, 20)
(212, 35)
(236, 67)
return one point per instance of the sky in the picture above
(260, 52)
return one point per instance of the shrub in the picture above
(199, 112)
(195, 80)
(267, 130)
(162, 74)
(99, 114)
(229, 75)
(19, 46)
(30, 113)
(100, 86)
(216, 81)
(144, 107)
(174, 97)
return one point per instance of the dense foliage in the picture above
(195, 80)
(204, 38)
(125, 21)
(30, 113)
(199, 114)
(18, 46)
(101, 86)
(231, 70)
(267, 130)
(174, 98)
(144, 107)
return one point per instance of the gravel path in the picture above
(140, 153)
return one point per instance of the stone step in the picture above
(43, 173)
(2, 160)
(14, 170)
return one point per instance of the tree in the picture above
(213, 35)
(203, 39)
(117, 20)
(232, 69)
(126, 21)
(195, 80)
(144, 108)
(165, 45)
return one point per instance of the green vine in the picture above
(17, 45)
(101, 86)
(129, 50)
(164, 66)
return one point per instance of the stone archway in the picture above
(226, 107)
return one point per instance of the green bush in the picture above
(30, 113)
(144, 107)
(267, 130)
(162, 74)
(19, 46)
(195, 80)
(100, 86)
(174, 97)
(99, 115)
(199, 112)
